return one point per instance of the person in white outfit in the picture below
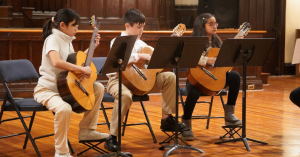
(57, 47)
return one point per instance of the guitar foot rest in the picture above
(231, 131)
(172, 137)
(90, 144)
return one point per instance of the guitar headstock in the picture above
(94, 22)
(245, 28)
(179, 29)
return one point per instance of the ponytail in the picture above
(65, 15)
(47, 30)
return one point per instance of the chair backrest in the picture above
(17, 70)
(99, 63)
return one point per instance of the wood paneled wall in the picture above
(266, 15)
(38, 5)
(159, 13)
(28, 44)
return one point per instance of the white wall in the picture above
(292, 23)
(186, 2)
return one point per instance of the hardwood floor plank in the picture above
(271, 118)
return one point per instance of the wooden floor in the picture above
(271, 117)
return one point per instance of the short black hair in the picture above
(133, 16)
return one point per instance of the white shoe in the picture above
(91, 135)
(63, 155)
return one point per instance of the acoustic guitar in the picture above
(77, 88)
(137, 78)
(211, 80)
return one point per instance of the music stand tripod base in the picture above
(243, 53)
(118, 57)
(170, 52)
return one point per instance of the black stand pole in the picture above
(123, 54)
(176, 144)
(245, 57)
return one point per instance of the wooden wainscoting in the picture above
(28, 44)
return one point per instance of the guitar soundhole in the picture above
(84, 75)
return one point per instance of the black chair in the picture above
(183, 92)
(20, 70)
(99, 63)
(223, 92)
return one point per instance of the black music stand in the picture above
(177, 52)
(244, 52)
(118, 57)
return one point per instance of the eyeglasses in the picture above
(211, 24)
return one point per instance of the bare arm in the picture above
(61, 64)
(145, 57)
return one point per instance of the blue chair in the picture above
(20, 70)
(99, 63)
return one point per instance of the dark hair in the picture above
(133, 16)
(199, 29)
(65, 15)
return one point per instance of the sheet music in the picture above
(296, 57)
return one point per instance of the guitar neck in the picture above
(239, 34)
(173, 34)
(90, 53)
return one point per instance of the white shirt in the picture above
(138, 45)
(62, 43)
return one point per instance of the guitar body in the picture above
(204, 82)
(210, 80)
(71, 92)
(134, 81)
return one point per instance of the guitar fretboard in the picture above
(90, 53)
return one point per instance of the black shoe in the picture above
(111, 143)
(168, 124)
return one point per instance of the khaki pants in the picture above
(63, 112)
(165, 81)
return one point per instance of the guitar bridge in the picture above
(82, 88)
(209, 73)
(139, 71)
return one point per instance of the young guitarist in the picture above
(134, 22)
(206, 25)
(57, 47)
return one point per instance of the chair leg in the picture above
(209, 112)
(30, 126)
(27, 132)
(222, 102)
(148, 122)
(1, 114)
(182, 102)
(124, 123)
(70, 146)
(105, 116)
(2, 109)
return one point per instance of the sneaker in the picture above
(91, 135)
(111, 143)
(168, 124)
(63, 155)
